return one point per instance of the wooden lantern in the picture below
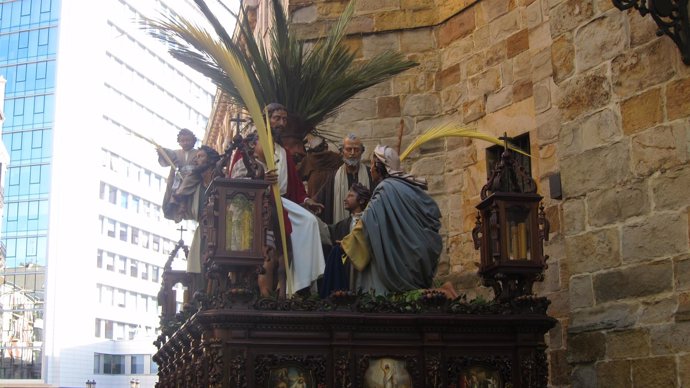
(510, 231)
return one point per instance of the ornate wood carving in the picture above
(458, 365)
(264, 363)
(433, 370)
(342, 370)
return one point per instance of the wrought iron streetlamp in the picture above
(510, 231)
(134, 383)
(90, 383)
(671, 16)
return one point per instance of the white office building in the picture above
(85, 235)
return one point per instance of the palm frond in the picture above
(453, 130)
(313, 84)
(231, 74)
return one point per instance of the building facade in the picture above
(83, 223)
(601, 100)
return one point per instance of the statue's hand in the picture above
(271, 176)
(314, 206)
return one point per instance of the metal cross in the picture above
(182, 230)
(238, 119)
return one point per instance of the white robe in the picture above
(308, 263)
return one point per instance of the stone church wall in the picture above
(606, 104)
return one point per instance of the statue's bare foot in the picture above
(448, 289)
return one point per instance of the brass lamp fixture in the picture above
(510, 231)
(671, 16)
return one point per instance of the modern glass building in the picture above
(83, 228)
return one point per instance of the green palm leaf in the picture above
(312, 83)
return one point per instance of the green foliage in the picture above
(312, 83)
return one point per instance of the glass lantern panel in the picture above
(518, 233)
(239, 224)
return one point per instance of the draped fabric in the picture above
(341, 187)
(399, 230)
(184, 164)
(307, 256)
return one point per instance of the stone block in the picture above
(416, 4)
(520, 115)
(475, 64)
(658, 310)
(473, 110)
(642, 28)
(584, 376)
(452, 96)
(658, 148)
(610, 316)
(548, 165)
(593, 251)
(460, 158)
(362, 7)
(560, 305)
(584, 93)
(683, 312)
(557, 335)
(403, 19)
(522, 89)
(671, 338)
(495, 8)
(659, 235)
(412, 41)
(599, 129)
(387, 127)
(504, 26)
(542, 103)
(594, 169)
(540, 37)
(448, 77)
(642, 111)
(541, 64)
(586, 347)
(669, 188)
(360, 24)
(305, 15)
(643, 67)
(517, 43)
(569, 14)
(654, 372)
(484, 83)
(457, 52)
(376, 44)
(522, 66)
(684, 370)
(495, 54)
(500, 99)
(507, 72)
(563, 57)
(581, 292)
(600, 39)
(650, 279)
(614, 374)
(481, 37)
(677, 101)
(388, 106)
(681, 270)
(532, 16)
(559, 369)
(616, 204)
(627, 343)
(378, 90)
(421, 105)
(457, 27)
(357, 109)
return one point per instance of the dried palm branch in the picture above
(227, 63)
(453, 130)
(313, 84)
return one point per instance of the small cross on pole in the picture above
(182, 230)
(238, 119)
